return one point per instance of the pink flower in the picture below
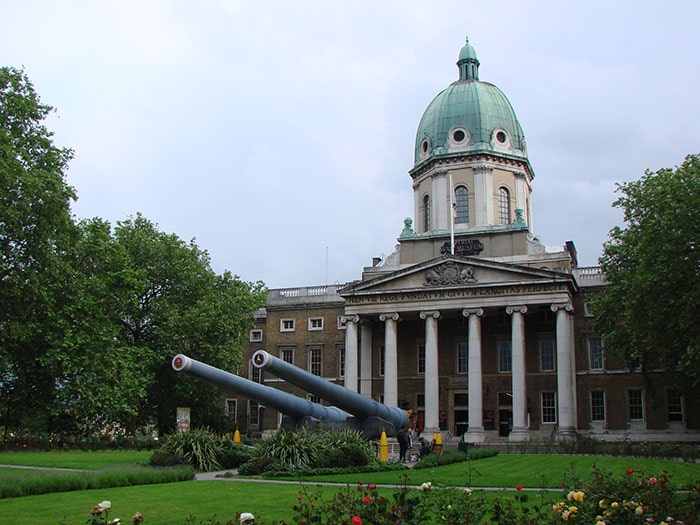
(653, 480)
(371, 486)
(519, 486)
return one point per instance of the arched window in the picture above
(426, 212)
(461, 210)
(503, 206)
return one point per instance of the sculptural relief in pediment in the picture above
(450, 273)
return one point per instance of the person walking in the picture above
(404, 441)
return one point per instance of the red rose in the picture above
(356, 520)
(519, 486)
(630, 471)
(367, 499)
(371, 486)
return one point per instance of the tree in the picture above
(90, 315)
(36, 231)
(649, 311)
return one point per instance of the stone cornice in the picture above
(424, 294)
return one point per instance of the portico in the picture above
(477, 289)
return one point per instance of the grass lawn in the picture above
(175, 502)
(530, 470)
(78, 459)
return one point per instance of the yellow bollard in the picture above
(437, 439)
(383, 448)
(236, 437)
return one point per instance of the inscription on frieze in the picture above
(449, 273)
(464, 247)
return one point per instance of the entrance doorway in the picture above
(505, 413)
(505, 422)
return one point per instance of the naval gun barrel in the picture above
(363, 408)
(291, 405)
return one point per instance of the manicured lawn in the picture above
(170, 503)
(530, 470)
(175, 502)
(87, 460)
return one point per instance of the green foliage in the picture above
(435, 460)
(301, 451)
(36, 231)
(297, 447)
(200, 447)
(83, 480)
(656, 255)
(232, 455)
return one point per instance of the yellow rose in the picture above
(639, 511)
(615, 504)
(602, 504)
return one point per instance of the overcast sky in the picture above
(279, 134)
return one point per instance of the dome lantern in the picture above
(467, 63)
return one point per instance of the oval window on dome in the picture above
(501, 137)
(459, 135)
(424, 146)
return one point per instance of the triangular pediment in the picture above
(456, 272)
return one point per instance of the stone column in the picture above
(432, 380)
(475, 434)
(351, 351)
(520, 431)
(566, 371)
(391, 388)
(366, 359)
(439, 198)
(483, 195)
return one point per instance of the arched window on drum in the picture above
(504, 214)
(461, 211)
(426, 213)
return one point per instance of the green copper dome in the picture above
(469, 116)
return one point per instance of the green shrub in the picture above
(233, 455)
(69, 481)
(291, 447)
(257, 466)
(163, 458)
(200, 447)
(435, 460)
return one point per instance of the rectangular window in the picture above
(341, 361)
(287, 355)
(382, 360)
(254, 374)
(315, 361)
(230, 408)
(421, 359)
(315, 323)
(313, 398)
(505, 357)
(595, 353)
(256, 336)
(286, 325)
(675, 405)
(462, 358)
(597, 405)
(547, 354)
(341, 321)
(253, 413)
(549, 407)
(635, 403)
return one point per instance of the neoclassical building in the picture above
(471, 321)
